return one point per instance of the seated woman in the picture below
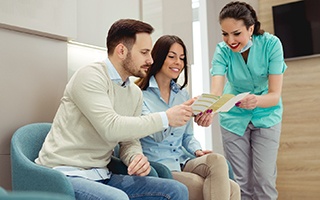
(206, 176)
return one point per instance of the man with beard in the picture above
(101, 108)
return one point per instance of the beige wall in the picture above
(37, 58)
(32, 79)
(299, 157)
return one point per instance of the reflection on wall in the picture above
(82, 55)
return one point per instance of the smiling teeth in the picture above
(175, 69)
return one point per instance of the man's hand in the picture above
(139, 166)
(179, 115)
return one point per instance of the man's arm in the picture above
(89, 94)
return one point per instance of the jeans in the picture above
(124, 187)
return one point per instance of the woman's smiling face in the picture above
(174, 62)
(235, 34)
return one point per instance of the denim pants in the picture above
(124, 187)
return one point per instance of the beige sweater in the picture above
(96, 114)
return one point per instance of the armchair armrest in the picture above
(116, 166)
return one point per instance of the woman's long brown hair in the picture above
(159, 54)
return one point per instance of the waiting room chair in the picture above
(26, 143)
(27, 195)
(118, 167)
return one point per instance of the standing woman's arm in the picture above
(217, 84)
(270, 99)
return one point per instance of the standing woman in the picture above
(206, 176)
(250, 60)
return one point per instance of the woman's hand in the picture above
(200, 153)
(249, 102)
(204, 119)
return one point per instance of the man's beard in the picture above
(129, 66)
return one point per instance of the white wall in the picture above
(95, 17)
(55, 19)
(161, 14)
(170, 17)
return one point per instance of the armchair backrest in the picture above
(28, 140)
(26, 143)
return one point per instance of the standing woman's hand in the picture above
(249, 102)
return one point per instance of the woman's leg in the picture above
(193, 182)
(213, 168)
(238, 152)
(265, 145)
(235, 193)
(253, 158)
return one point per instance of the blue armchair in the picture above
(26, 143)
(4, 195)
(118, 167)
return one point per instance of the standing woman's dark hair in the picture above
(159, 53)
(241, 11)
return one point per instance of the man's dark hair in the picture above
(124, 31)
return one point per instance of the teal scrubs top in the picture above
(265, 57)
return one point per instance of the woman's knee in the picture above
(195, 187)
(216, 160)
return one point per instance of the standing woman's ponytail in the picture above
(257, 30)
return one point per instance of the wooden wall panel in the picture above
(265, 12)
(299, 152)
